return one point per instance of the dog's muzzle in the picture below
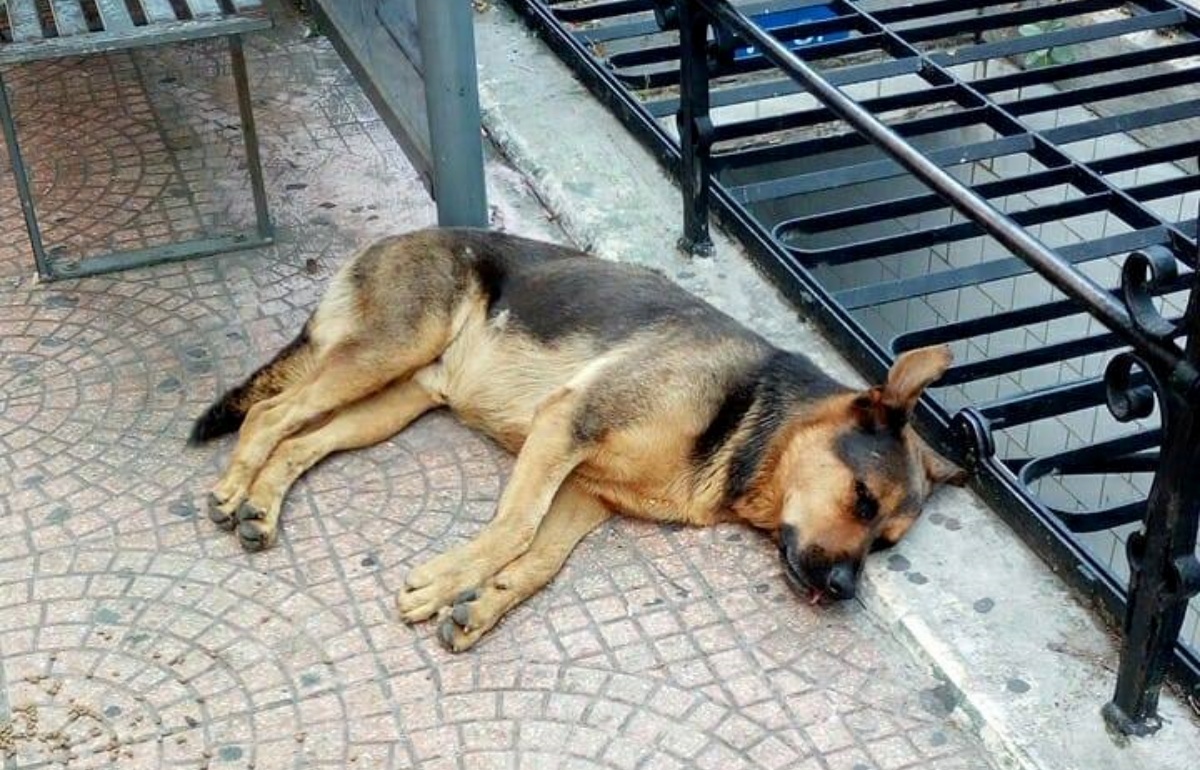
(811, 574)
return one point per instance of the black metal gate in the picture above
(1077, 120)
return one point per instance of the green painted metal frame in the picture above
(51, 267)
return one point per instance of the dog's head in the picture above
(852, 476)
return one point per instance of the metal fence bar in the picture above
(1164, 571)
(452, 102)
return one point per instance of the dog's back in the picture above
(536, 318)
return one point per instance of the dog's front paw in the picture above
(429, 588)
(222, 511)
(257, 529)
(466, 621)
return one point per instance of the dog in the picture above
(618, 392)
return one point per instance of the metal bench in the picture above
(88, 27)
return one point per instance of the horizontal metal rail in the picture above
(997, 224)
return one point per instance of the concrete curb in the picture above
(1025, 665)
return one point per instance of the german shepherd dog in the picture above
(617, 391)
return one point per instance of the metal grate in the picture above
(1079, 119)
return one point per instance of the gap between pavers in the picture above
(1024, 663)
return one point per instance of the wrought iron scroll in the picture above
(1164, 571)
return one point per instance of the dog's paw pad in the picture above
(461, 614)
(454, 628)
(255, 535)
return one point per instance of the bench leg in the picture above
(23, 189)
(250, 136)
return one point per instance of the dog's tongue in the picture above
(815, 597)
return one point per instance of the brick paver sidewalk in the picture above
(134, 634)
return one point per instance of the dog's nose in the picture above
(841, 582)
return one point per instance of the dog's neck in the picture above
(761, 500)
(754, 484)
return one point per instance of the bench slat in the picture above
(158, 11)
(247, 5)
(23, 16)
(133, 37)
(204, 8)
(114, 14)
(68, 17)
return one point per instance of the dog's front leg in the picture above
(548, 456)
(572, 516)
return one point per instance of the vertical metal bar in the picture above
(1163, 570)
(695, 127)
(447, 42)
(45, 270)
(250, 136)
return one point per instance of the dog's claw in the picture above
(469, 595)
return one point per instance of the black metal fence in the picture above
(1030, 149)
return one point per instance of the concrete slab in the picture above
(1020, 659)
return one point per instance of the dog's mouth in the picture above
(800, 584)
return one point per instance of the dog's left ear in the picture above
(891, 404)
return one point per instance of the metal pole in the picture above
(452, 101)
(250, 136)
(695, 127)
(44, 268)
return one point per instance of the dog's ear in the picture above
(912, 373)
(889, 406)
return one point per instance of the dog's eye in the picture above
(866, 507)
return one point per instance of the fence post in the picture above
(447, 38)
(695, 126)
(1164, 572)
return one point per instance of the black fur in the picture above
(866, 505)
(739, 397)
(785, 382)
(226, 415)
(882, 454)
(553, 293)
(220, 418)
(498, 256)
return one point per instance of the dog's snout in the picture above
(842, 580)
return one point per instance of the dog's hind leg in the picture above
(349, 372)
(364, 423)
(572, 516)
(548, 456)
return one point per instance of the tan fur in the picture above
(598, 425)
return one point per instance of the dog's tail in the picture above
(227, 414)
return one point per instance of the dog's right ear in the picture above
(889, 406)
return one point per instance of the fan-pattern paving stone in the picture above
(134, 634)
